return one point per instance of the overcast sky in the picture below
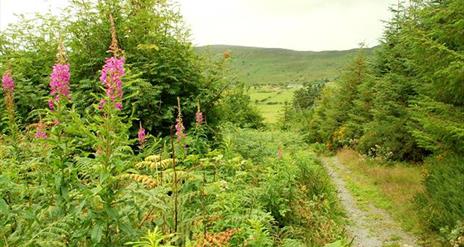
(293, 24)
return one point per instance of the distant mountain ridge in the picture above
(256, 65)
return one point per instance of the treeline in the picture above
(404, 104)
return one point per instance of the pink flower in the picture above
(112, 72)
(101, 104)
(8, 83)
(180, 129)
(118, 105)
(51, 104)
(8, 91)
(40, 134)
(199, 117)
(59, 84)
(141, 135)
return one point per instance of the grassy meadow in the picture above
(271, 66)
(270, 100)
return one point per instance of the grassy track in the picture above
(391, 187)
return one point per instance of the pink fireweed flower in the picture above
(101, 104)
(199, 118)
(118, 105)
(8, 86)
(8, 83)
(59, 84)
(141, 135)
(179, 125)
(111, 75)
(51, 104)
(180, 129)
(40, 133)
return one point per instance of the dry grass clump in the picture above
(399, 182)
(392, 186)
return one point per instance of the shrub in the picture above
(235, 107)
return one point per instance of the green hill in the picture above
(281, 66)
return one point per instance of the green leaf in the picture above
(97, 233)
(4, 209)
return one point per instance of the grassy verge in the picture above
(392, 187)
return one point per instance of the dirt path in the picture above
(369, 226)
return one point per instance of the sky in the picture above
(293, 24)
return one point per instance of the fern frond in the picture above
(155, 165)
(153, 158)
(147, 181)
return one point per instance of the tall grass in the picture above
(391, 186)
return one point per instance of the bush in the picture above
(235, 107)
(305, 97)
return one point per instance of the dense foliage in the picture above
(160, 60)
(406, 104)
(305, 97)
(54, 194)
(72, 172)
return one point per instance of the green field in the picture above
(270, 100)
(275, 74)
(270, 66)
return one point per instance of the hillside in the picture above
(280, 66)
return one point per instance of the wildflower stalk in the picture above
(179, 123)
(110, 139)
(198, 116)
(59, 80)
(59, 116)
(199, 142)
(173, 150)
(40, 132)
(8, 87)
(141, 135)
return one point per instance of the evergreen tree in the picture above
(435, 36)
(332, 110)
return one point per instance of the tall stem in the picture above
(108, 197)
(175, 179)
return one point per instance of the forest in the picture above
(117, 131)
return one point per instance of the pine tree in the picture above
(387, 134)
(332, 110)
(435, 36)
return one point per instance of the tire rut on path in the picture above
(370, 226)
